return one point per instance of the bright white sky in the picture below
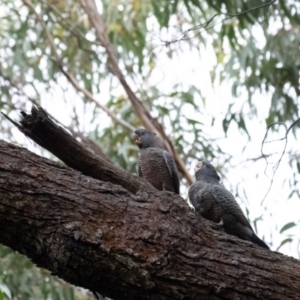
(187, 67)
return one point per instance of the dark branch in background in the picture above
(88, 143)
(76, 134)
(40, 128)
(285, 138)
(207, 24)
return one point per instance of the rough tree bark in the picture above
(143, 244)
(147, 246)
(40, 128)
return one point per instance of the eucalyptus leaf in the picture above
(287, 226)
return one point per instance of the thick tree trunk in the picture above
(148, 245)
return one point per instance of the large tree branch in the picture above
(147, 246)
(143, 114)
(41, 129)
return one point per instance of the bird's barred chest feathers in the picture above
(153, 168)
(200, 196)
(203, 201)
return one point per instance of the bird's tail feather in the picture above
(259, 242)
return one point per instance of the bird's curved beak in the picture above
(198, 166)
(136, 138)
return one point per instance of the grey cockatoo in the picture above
(217, 204)
(155, 164)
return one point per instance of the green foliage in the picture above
(20, 279)
(272, 67)
(285, 241)
(4, 292)
(287, 226)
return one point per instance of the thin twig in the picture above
(89, 95)
(77, 134)
(285, 138)
(71, 78)
(72, 27)
(206, 24)
(43, 24)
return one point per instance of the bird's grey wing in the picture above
(229, 205)
(234, 220)
(172, 168)
(201, 197)
(196, 194)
